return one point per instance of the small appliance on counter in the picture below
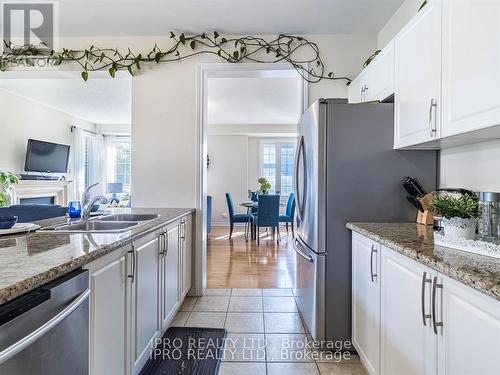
(489, 216)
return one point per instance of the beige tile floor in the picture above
(265, 333)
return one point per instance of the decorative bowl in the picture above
(7, 222)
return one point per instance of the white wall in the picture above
(402, 16)
(475, 167)
(227, 173)
(22, 119)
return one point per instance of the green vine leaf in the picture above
(85, 76)
(282, 48)
(131, 72)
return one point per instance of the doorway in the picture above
(244, 134)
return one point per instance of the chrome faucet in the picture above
(87, 203)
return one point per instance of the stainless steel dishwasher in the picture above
(46, 331)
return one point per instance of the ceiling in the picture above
(158, 17)
(99, 100)
(253, 101)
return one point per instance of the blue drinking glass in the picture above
(74, 209)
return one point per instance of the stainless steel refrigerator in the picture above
(345, 170)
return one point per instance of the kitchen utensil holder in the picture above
(426, 217)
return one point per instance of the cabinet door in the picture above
(354, 90)
(407, 345)
(170, 276)
(381, 75)
(471, 65)
(469, 341)
(366, 301)
(187, 255)
(417, 100)
(145, 299)
(108, 319)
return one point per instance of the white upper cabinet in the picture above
(471, 65)
(354, 90)
(376, 81)
(380, 72)
(469, 340)
(418, 78)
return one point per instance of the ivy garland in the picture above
(232, 50)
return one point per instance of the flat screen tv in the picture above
(46, 157)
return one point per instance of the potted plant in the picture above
(265, 185)
(7, 179)
(459, 214)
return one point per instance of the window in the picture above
(88, 162)
(119, 161)
(277, 163)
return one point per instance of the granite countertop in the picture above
(417, 242)
(30, 260)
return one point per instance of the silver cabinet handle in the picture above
(432, 128)
(183, 230)
(296, 245)
(365, 90)
(162, 243)
(435, 323)
(362, 92)
(26, 341)
(132, 275)
(425, 280)
(372, 275)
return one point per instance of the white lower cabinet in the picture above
(145, 302)
(110, 292)
(428, 323)
(170, 265)
(366, 301)
(185, 246)
(408, 344)
(135, 293)
(469, 341)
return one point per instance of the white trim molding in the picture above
(59, 190)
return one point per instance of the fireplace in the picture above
(41, 192)
(37, 200)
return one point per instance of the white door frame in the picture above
(205, 71)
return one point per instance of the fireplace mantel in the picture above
(59, 190)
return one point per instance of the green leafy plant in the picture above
(302, 54)
(265, 185)
(448, 206)
(7, 179)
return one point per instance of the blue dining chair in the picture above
(268, 215)
(234, 217)
(289, 213)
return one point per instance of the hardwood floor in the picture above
(237, 263)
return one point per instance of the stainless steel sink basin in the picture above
(128, 217)
(96, 226)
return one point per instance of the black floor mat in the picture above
(187, 350)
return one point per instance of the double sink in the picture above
(106, 224)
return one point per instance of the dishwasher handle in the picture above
(26, 341)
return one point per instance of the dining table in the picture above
(249, 205)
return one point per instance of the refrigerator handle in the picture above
(299, 195)
(296, 245)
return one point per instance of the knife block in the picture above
(426, 217)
